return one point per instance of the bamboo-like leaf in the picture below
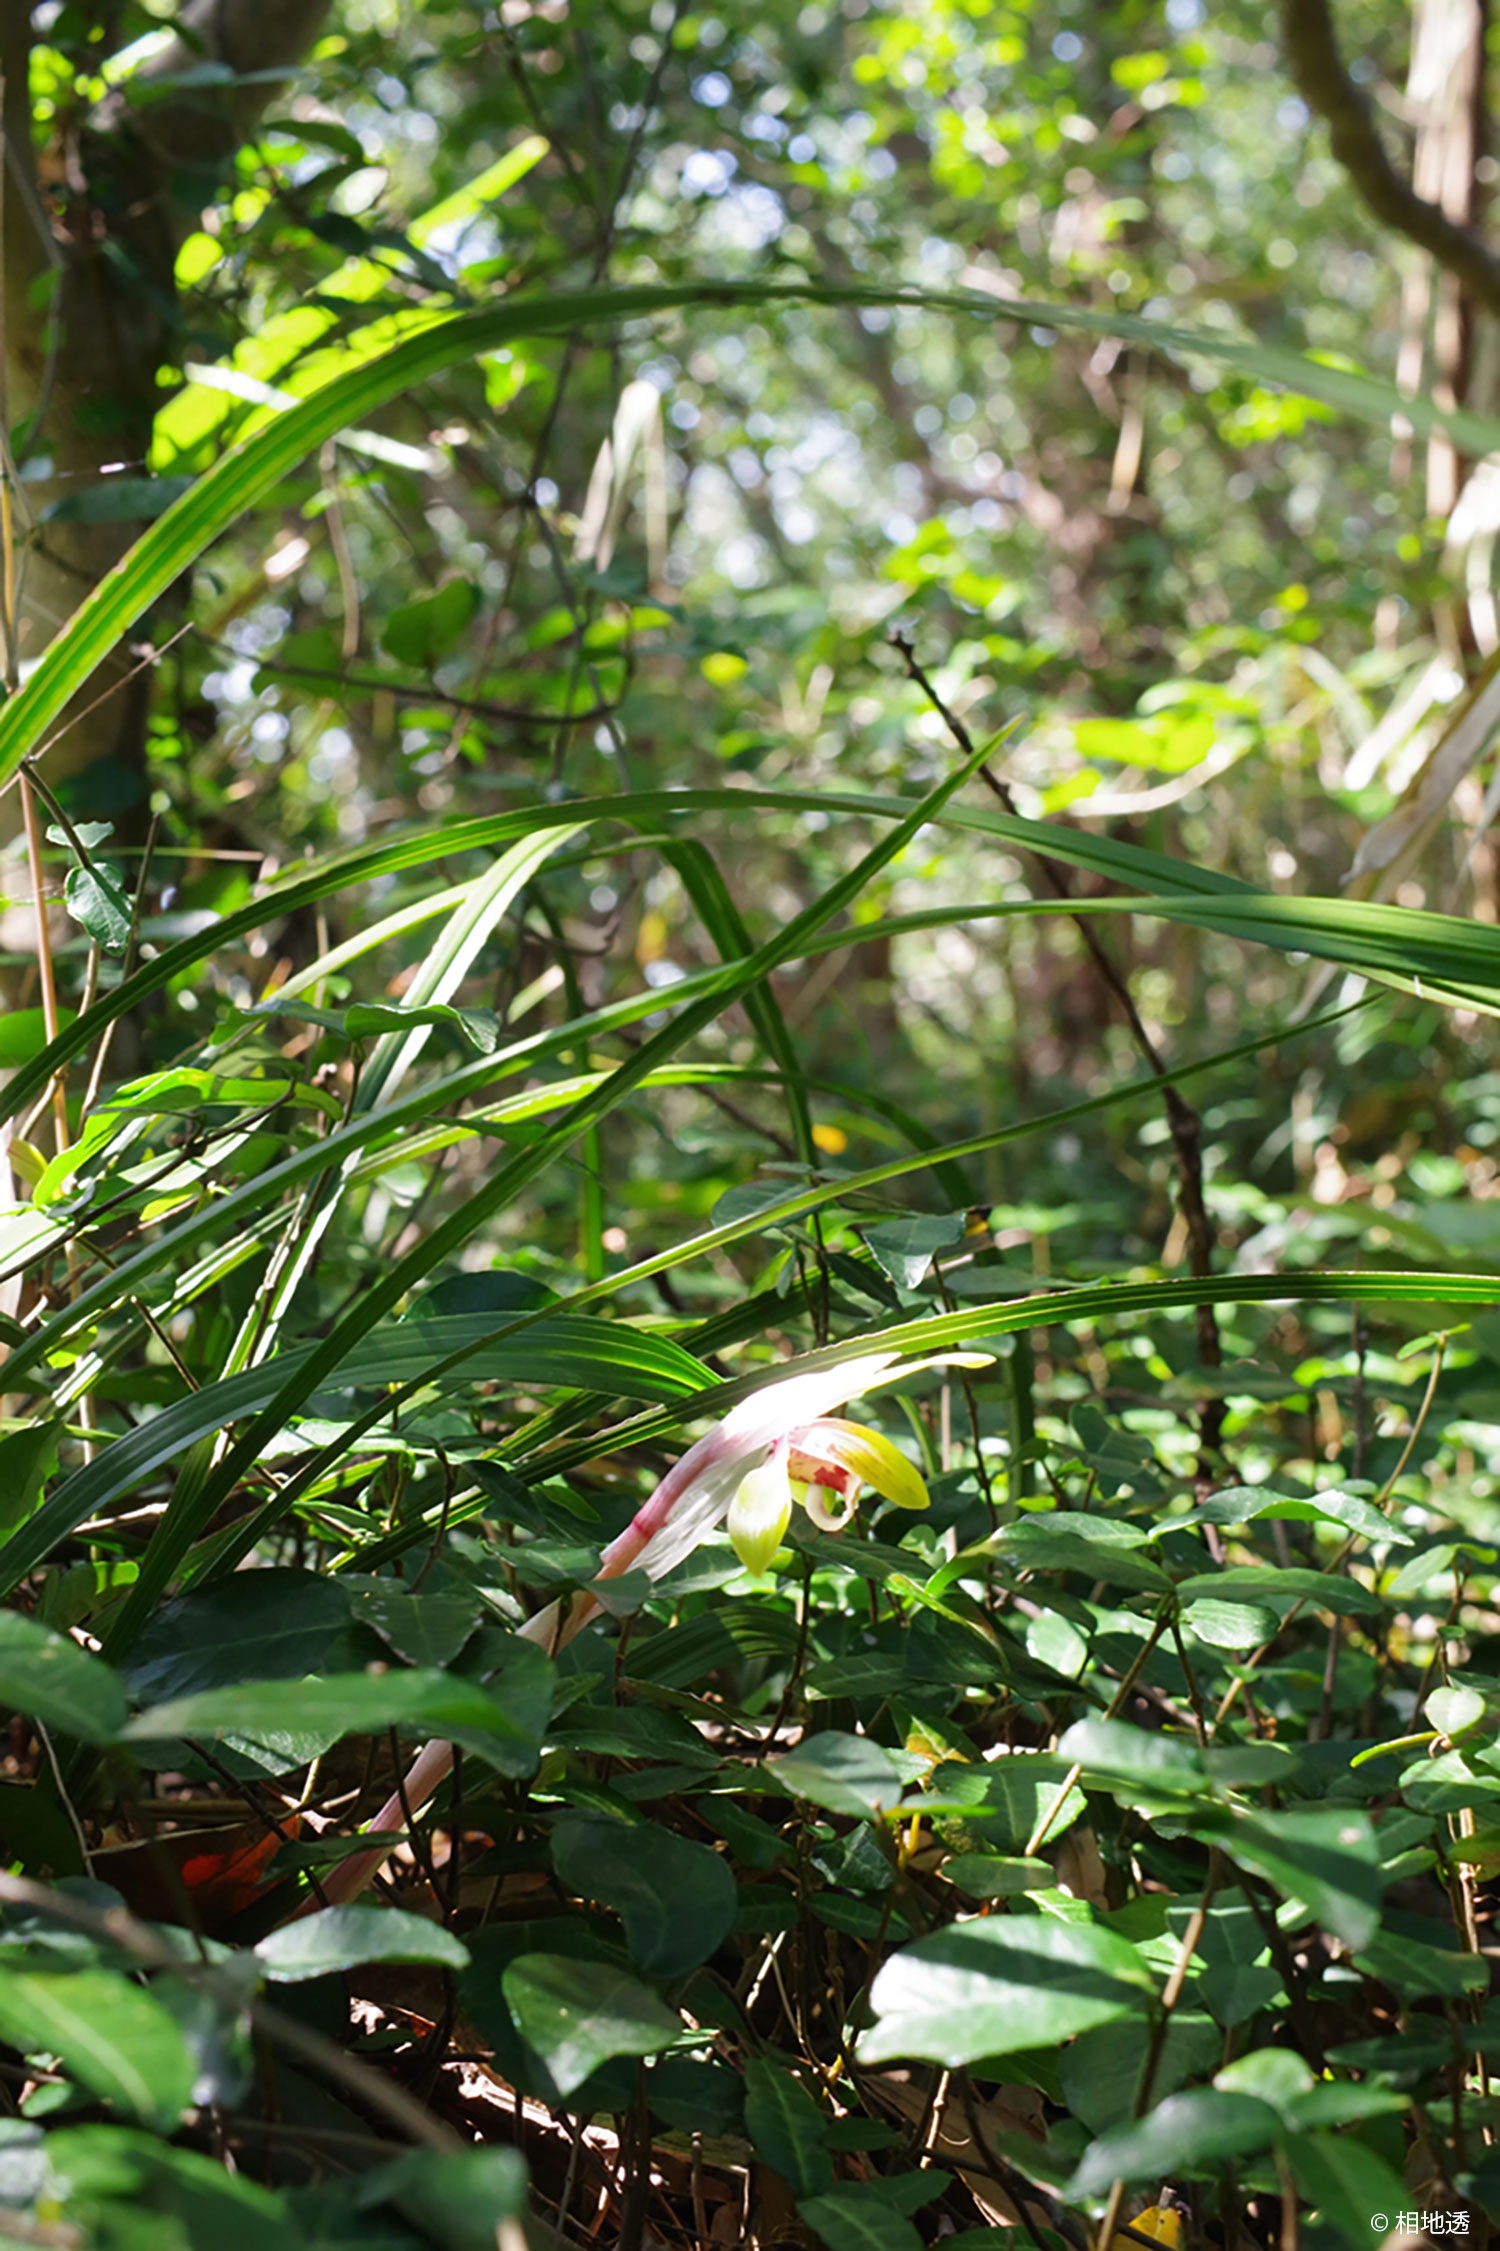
(603, 1356)
(250, 470)
(244, 1204)
(197, 1499)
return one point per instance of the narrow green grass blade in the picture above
(413, 849)
(606, 1356)
(794, 1205)
(249, 471)
(181, 1525)
(700, 877)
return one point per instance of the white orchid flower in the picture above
(790, 1419)
(780, 1446)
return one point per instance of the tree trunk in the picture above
(93, 223)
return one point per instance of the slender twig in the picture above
(424, 692)
(1183, 1121)
(146, 663)
(1159, 1626)
(1151, 2062)
(1389, 1486)
(71, 1810)
(121, 1928)
(1311, 44)
(59, 814)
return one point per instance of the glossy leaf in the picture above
(503, 1729)
(1106, 1749)
(47, 1676)
(110, 2033)
(1185, 2134)
(1326, 1857)
(98, 899)
(989, 1987)
(843, 1773)
(676, 1899)
(259, 1625)
(458, 2197)
(1291, 1582)
(786, 2126)
(855, 2218)
(341, 1938)
(576, 2015)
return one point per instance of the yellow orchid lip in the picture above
(833, 1451)
(821, 1468)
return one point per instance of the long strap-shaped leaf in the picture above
(197, 1499)
(1459, 959)
(87, 1492)
(607, 1356)
(249, 471)
(478, 908)
(242, 1206)
(410, 849)
(538, 1357)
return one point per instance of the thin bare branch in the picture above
(1312, 51)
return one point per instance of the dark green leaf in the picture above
(697, 2098)
(1004, 1800)
(27, 1459)
(457, 2197)
(1346, 2183)
(258, 1625)
(632, 1731)
(1327, 1857)
(842, 1773)
(988, 1987)
(576, 2014)
(111, 2035)
(1418, 1971)
(676, 1899)
(988, 1875)
(786, 2127)
(340, 1938)
(478, 1028)
(117, 500)
(49, 1678)
(1287, 1582)
(1229, 1625)
(128, 2189)
(1066, 1540)
(505, 1731)
(1185, 2134)
(1108, 1748)
(98, 899)
(854, 2217)
(422, 632)
(1101, 2069)
(1239, 1504)
(904, 1248)
(425, 1629)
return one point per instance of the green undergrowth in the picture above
(1108, 1837)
